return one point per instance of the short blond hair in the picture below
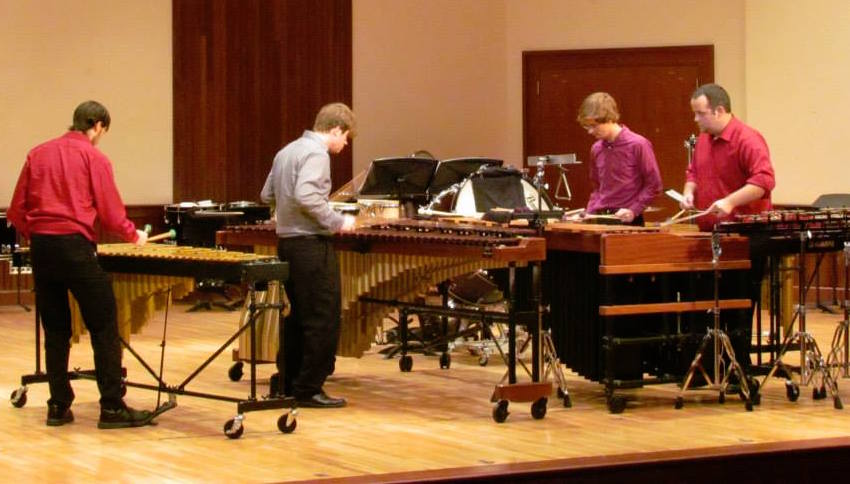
(336, 115)
(599, 107)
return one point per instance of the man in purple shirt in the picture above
(623, 170)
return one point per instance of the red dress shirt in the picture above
(723, 164)
(65, 184)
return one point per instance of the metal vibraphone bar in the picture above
(387, 264)
(252, 270)
(799, 232)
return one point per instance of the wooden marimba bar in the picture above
(389, 264)
(627, 304)
(397, 261)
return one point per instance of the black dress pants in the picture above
(63, 263)
(310, 333)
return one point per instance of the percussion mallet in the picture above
(165, 235)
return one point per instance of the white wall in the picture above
(442, 75)
(55, 54)
(798, 92)
(429, 74)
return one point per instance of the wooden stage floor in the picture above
(427, 424)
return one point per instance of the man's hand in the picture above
(625, 215)
(348, 223)
(687, 202)
(142, 238)
(722, 206)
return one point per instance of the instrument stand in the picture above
(552, 366)
(722, 352)
(812, 362)
(838, 360)
(234, 427)
(18, 263)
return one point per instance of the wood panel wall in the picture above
(249, 76)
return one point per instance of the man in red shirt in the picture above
(64, 186)
(730, 173)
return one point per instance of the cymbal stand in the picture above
(812, 362)
(838, 360)
(723, 352)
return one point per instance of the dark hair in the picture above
(336, 115)
(88, 114)
(716, 96)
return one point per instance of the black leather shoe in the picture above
(321, 400)
(123, 417)
(59, 415)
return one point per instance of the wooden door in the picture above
(652, 87)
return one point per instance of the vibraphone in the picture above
(391, 263)
(140, 272)
(799, 232)
(627, 302)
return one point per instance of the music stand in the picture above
(455, 170)
(405, 179)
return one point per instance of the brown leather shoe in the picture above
(321, 400)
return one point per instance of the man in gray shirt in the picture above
(299, 184)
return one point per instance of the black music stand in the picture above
(406, 179)
(455, 170)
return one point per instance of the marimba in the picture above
(627, 302)
(140, 272)
(397, 261)
(390, 263)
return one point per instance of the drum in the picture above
(378, 208)
(253, 213)
(478, 194)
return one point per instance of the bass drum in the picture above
(464, 200)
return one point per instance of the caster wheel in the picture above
(538, 408)
(405, 363)
(837, 403)
(19, 397)
(565, 397)
(483, 360)
(819, 393)
(500, 411)
(616, 404)
(235, 371)
(792, 391)
(287, 423)
(445, 361)
(680, 402)
(233, 429)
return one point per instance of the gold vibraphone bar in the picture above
(143, 276)
(395, 261)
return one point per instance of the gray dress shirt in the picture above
(299, 183)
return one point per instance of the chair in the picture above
(830, 200)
